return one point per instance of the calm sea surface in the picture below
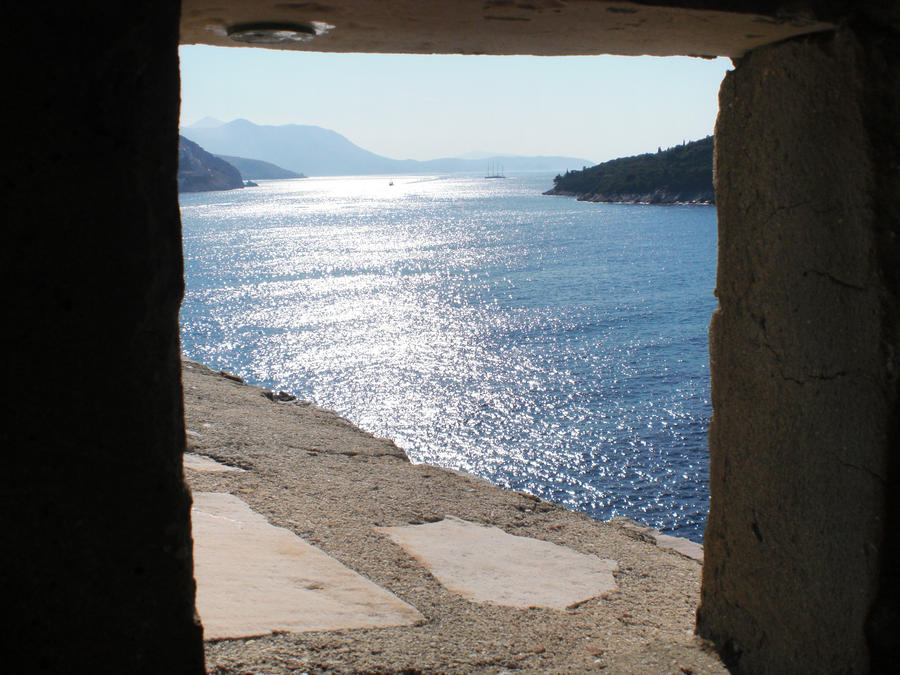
(548, 345)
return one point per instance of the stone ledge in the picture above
(331, 484)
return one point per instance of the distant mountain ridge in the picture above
(255, 169)
(205, 123)
(315, 151)
(683, 174)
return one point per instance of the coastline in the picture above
(315, 474)
(660, 197)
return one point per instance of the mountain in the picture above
(479, 154)
(199, 171)
(206, 123)
(677, 175)
(316, 151)
(254, 169)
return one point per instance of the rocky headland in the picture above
(342, 490)
(679, 175)
(200, 171)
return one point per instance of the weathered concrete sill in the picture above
(310, 471)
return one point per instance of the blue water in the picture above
(548, 345)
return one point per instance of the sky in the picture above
(430, 106)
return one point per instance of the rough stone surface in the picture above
(485, 564)
(298, 425)
(254, 579)
(332, 485)
(685, 547)
(881, 64)
(656, 27)
(803, 364)
(96, 541)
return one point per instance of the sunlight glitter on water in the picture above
(548, 345)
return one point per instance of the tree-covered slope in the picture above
(680, 174)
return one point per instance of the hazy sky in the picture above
(424, 107)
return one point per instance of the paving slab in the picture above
(486, 564)
(255, 579)
(206, 464)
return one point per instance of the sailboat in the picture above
(495, 171)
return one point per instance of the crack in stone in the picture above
(864, 469)
(350, 453)
(790, 207)
(805, 378)
(814, 377)
(835, 280)
(827, 377)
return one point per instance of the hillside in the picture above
(315, 151)
(683, 174)
(253, 169)
(199, 171)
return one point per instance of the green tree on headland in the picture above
(680, 174)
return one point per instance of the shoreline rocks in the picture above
(661, 197)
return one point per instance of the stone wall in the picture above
(801, 561)
(97, 573)
(803, 356)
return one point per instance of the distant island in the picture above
(679, 175)
(316, 151)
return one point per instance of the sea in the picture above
(550, 346)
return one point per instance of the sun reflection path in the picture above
(548, 345)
